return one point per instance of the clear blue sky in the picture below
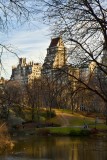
(30, 41)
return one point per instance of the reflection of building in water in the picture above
(63, 148)
(68, 148)
(26, 72)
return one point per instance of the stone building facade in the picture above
(57, 72)
(68, 78)
(25, 73)
(55, 58)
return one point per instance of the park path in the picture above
(64, 118)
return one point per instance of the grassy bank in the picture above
(62, 123)
(100, 129)
(63, 131)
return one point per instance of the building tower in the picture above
(56, 56)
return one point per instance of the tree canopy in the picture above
(83, 23)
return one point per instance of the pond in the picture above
(58, 148)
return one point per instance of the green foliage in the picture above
(74, 133)
(79, 121)
(82, 132)
(68, 131)
(85, 132)
(50, 114)
(99, 126)
(66, 111)
(62, 130)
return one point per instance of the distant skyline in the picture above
(30, 42)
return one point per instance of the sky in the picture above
(27, 41)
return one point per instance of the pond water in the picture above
(58, 148)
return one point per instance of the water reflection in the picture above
(59, 148)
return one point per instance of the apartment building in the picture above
(25, 72)
(55, 58)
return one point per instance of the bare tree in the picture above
(10, 97)
(83, 25)
(34, 98)
(50, 93)
(12, 14)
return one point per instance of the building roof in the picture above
(54, 42)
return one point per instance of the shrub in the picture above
(94, 131)
(50, 114)
(74, 133)
(85, 132)
(80, 132)
(43, 131)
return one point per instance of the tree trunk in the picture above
(32, 112)
(106, 113)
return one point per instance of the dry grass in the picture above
(5, 140)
